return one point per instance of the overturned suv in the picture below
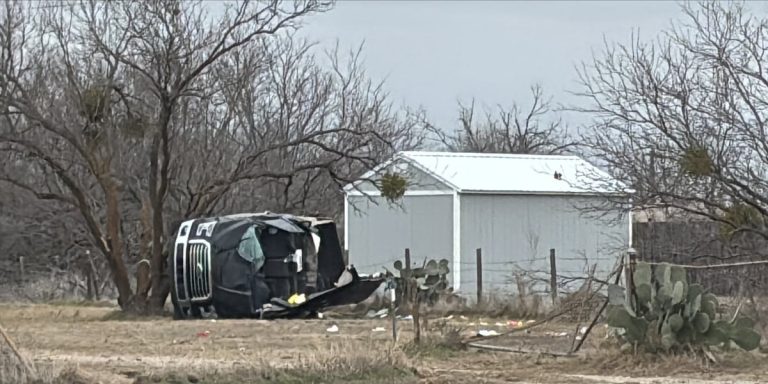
(261, 265)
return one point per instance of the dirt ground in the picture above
(100, 341)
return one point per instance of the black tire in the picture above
(195, 312)
(178, 313)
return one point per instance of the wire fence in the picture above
(485, 273)
(733, 267)
(726, 265)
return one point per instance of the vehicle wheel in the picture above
(178, 312)
(195, 312)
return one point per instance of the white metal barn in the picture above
(514, 207)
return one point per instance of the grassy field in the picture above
(97, 344)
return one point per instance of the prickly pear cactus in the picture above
(431, 279)
(667, 313)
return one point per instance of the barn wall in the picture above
(379, 233)
(516, 233)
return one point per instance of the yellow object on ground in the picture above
(297, 299)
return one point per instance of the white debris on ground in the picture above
(556, 334)
(382, 313)
(332, 329)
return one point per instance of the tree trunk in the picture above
(158, 187)
(144, 268)
(89, 284)
(115, 251)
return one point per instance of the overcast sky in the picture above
(433, 53)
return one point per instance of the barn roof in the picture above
(510, 173)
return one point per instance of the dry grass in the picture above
(443, 340)
(160, 350)
(507, 306)
(12, 370)
(349, 363)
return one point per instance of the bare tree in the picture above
(508, 130)
(306, 129)
(683, 118)
(136, 115)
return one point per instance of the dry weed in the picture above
(361, 363)
(13, 370)
(444, 340)
(611, 361)
(510, 306)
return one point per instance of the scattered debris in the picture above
(486, 333)
(203, 334)
(556, 334)
(296, 299)
(332, 329)
(508, 349)
(378, 329)
(382, 313)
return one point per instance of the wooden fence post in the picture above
(553, 276)
(479, 276)
(392, 307)
(632, 255)
(408, 262)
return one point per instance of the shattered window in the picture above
(250, 248)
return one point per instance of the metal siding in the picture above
(517, 232)
(379, 233)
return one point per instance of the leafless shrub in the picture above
(441, 339)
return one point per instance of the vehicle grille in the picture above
(198, 274)
(181, 290)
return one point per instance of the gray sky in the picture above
(433, 53)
